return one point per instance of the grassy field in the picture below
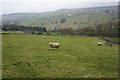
(78, 57)
(0, 56)
(113, 39)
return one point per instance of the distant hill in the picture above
(75, 18)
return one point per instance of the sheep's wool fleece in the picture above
(99, 43)
(54, 44)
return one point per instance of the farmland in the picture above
(78, 57)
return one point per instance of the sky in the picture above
(29, 6)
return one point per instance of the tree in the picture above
(52, 22)
(54, 30)
(86, 31)
(75, 22)
(106, 11)
(33, 32)
(44, 29)
(62, 20)
(55, 22)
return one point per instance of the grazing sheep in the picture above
(44, 37)
(100, 44)
(54, 45)
(57, 38)
(29, 35)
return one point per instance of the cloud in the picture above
(43, 6)
(59, 0)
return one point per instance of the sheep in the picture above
(57, 38)
(100, 44)
(29, 35)
(44, 37)
(60, 35)
(54, 45)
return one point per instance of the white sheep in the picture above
(100, 44)
(57, 38)
(54, 45)
(44, 37)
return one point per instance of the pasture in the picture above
(29, 56)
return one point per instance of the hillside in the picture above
(75, 18)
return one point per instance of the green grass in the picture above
(51, 33)
(10, 32)
(113, 39)
(0, 56)
(78, 57)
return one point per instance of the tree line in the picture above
(104, 29)
(110, 29)
(16, 27)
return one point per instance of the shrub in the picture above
(39, 33)
(47, 33)
(33, 32)
(62, 20)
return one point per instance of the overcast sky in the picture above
(22, 6)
